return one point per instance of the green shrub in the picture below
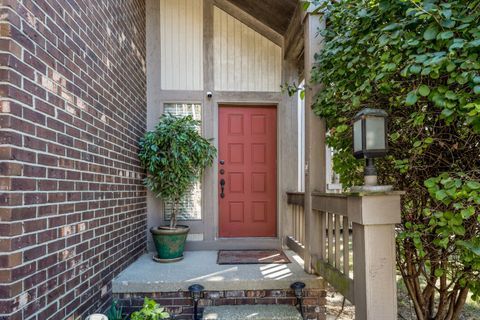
(419, 61)
(150, 311)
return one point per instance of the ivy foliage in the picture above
(419, 61)
(174, 155)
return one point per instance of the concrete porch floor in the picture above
(201, 267)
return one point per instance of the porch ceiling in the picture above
(274, 13)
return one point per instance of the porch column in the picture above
(315, 179)
(375, 288)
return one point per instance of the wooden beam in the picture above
(295, 246)
(250, 21)
(338, 280)
(247, 97)
(315, 179)
(209, 116)
(296, 198)
(274, 13)
(180, 96)
(329, 202)
(294, 38)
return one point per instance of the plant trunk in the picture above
(173, 218)
(462, 297)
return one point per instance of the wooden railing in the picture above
(352, 246)
(296, 241)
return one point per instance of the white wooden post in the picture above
(314, 146)
(375, 290)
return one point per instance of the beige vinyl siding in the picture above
(244, 60)
(181, 32)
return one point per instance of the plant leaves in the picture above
(445, 35)
(474, 185)
(431, 32)
(471, 247)
(411, 98)
(424, 90)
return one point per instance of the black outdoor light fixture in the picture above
(297, 288)
(196, 294)
(370, 140)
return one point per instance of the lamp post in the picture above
(370, 142)
(195, 293)
(297, 288)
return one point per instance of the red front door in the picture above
(247, 170)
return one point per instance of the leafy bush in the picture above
(150, 311)
(418, 60)
(174, 155)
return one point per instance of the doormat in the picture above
(252, 257)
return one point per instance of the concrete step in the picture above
(252, 312)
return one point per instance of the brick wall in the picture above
(73, 210)
(180, 305)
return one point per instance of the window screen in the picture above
(191, 204)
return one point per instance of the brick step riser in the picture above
(181, 305)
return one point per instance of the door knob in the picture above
(222, 186)
(222, 162)
(222, 171)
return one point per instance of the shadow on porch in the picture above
(201, 267)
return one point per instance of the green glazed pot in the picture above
(169, 243)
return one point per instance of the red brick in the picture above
(8, 137)
(59, 156)
(19, 184)
(11, 169)
(33, 171)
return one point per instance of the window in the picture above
(191, 204)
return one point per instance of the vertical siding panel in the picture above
(258, 59)
(198, 64)
(173, 57)
(163, 51)
(244, 60)
(238, 55)
(182, 44)
(193, 61)
(186, 81)
(250, 51)
(179, 75)
(224, 62)
(216, 47)
(271, 66)
(278, 64)
(263, 65)
(231, 52)
(245, 53)
(199, 47)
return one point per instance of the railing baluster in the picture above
(295, 222)
(346, 246)
(302, 217)
(296, 240)
(337, 241)
(330, 237)
(323, 239)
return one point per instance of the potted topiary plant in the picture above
(174, 155)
